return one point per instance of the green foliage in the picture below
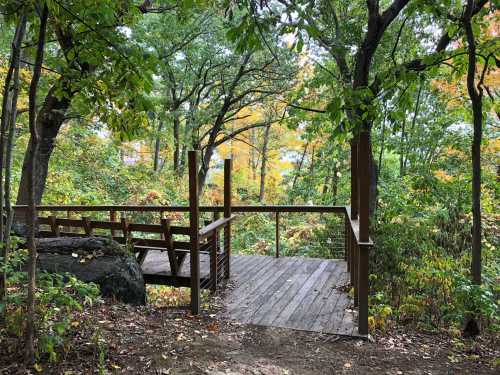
(420, 264)
(59, 298)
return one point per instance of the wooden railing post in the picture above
(112, 217)
(217, 217)
(227, 213)
(364, 180)
(354, 177)
(68, 216)
(277, 234)
(194, 218)
(213, 261)
(355, 271)
(362, 272)
(363, 254)
(347, 239)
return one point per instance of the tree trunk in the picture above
(31, 170)
(299, 167)
(263, 165)
(476, 96)
(8, 123)
(177, 143)
(402, 149)
(382, 143)
(409, 137)
(156, 159)
(49, 121)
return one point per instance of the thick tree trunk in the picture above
(49, 121)
(263, 166)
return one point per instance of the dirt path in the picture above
(164, 341)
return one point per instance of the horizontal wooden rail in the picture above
(138, 208)
(220, 223)
(356, 251)
(354, 223)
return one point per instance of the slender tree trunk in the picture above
(156, 159)
(409, 137)
(263, 166)
(312, 165)
(476, 96)
(32, 216)
(382, 143)
(299, 167)
(402, 148)
(335, 183)
(177, 143)
(8, 123)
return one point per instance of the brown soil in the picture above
(152, 340)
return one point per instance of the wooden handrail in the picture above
(206, 231)
(355, 229)
(157, 208)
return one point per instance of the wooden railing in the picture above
(356, 252)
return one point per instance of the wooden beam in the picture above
(227, 214)
(363, 256)
(194, 218)
(354, 177)
(364, 180)
(277, 237)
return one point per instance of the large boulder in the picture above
(99, 260)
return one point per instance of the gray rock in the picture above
(97, 260)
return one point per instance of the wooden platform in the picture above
(288, 292)
(156, 269)
(298, 293)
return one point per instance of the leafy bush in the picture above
(421, 262)
(58, 298)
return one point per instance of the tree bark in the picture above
(49, 121)
(156, 159)
(299, 167)
(177, 143)
(32, 214)
(476, 96)
(409, 137)
(402, 149)
(263, 166)
(8, 121)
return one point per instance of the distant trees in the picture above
(206, 83)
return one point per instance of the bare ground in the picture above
(120, 339)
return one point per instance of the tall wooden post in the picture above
(227, 213)
(277, 236)
(194, 217)
(364, 180)
(112, 217)
(354, 177)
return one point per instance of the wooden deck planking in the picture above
(295, 293)
(287, 292)
(247, 301)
